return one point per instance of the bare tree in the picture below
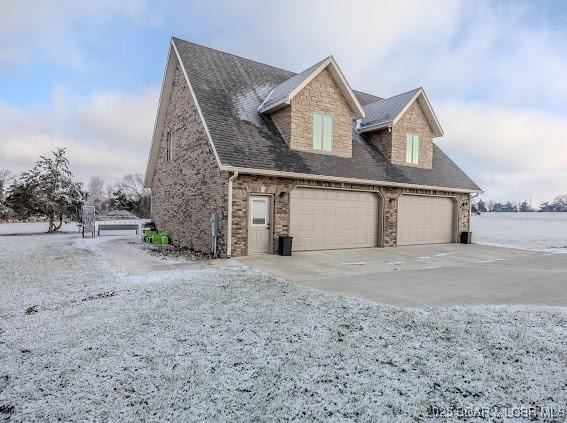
(96, 193)
(559, 204)
(108, 190)
(133, 185)
(6, 176)
(130, 194)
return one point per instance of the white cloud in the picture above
(119, 116)
(494, 72)
(295, 34)
(106, 134)
(515, 153)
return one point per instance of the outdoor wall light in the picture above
(284, 196)
(393, 201)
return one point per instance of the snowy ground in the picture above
(41, 227)
(235, 345)
(532, 231)
(33, 228)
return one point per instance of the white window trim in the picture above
(170, 153)
(322, 141)
(414, 160)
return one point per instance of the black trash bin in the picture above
(284, 245)
(466, 237)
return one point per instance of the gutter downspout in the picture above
(471, 196)
(229, 229)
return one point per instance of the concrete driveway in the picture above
(431, 275)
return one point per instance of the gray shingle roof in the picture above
(283, 90)
(229, 90)
(386, 110)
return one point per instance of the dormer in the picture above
(402, 128)
(314, 110)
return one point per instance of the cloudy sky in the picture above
(86, 75)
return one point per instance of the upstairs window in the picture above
(322, 132)
(412, 148)
(170, 149)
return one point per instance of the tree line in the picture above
(128, 194)
(48, 191)
(559, 204)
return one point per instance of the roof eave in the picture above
(374, 127)
(339, 78)
(428, 109)
(173, 58)
(277, 173)
(273, 107)
(348, 93)
(160, 114)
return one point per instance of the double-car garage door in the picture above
(324, 219)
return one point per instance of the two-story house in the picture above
(271, 153)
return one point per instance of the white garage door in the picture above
(325, 219)
(425, 220)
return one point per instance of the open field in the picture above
(532, 231)
(82, 340)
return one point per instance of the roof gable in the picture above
(227, 90)
(388, 111)
(281, 95)
(173, 60)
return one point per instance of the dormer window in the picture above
(412, 148)
(322, 132)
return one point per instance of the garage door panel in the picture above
(425, 220)
(349, 219)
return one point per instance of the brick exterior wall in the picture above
(245, 185)
(242, 188)
(382, 140)
(413, 121)
(282, 120)
(188, 189)
(321, 95)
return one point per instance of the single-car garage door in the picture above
(425, 220)
(325, 219)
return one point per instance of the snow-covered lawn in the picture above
(531, 231)
(235, 345)
(34, 228)
(41, 227)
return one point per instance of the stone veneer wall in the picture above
(245, 185)
(189, 189)
(321, 95)
(413, 121)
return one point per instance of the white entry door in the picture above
(259, 224)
